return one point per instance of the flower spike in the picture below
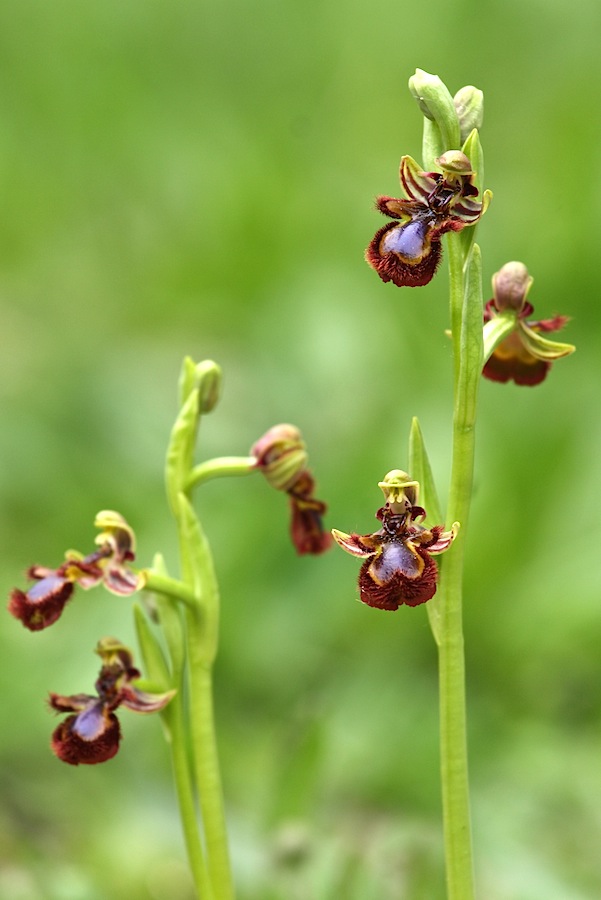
(407, 250)
(398, 568)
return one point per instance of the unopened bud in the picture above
(510, 286)
(469, 105)
(281, 455)
(455, 162)
(435, 101)
(208, 378)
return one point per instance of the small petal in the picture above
(85, 570)
(355, 544)
(417, 184)
(144, 702)
(440, 540)
(122, 581)
(73, 703)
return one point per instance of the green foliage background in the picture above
(194, 178)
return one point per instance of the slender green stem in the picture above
(174, 720)
(220, 467)
(202, 629)
(454, 765)
(206, 762)
(170, 587)
(194, 647)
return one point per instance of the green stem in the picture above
(220, 467)
(206, 762)
(174, 721)
(466, 322)
(202, 630)
(170, 587)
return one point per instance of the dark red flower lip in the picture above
(74, 747)
(42, 604)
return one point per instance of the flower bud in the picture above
(281, 455)
(469, 106)
(510, 287)
(454, 162)
(434, 100)
(208, 378)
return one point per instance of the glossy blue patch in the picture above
(406, 240)
(90, 723)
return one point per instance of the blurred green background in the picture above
(194, 178)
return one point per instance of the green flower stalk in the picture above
(445, 201)
(178, 626)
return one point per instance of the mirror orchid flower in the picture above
(523, 354)
(407, 250)
(92, 733)
(43, 603)
(398, 567)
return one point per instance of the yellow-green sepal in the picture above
(541, 347)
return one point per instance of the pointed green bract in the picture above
(470, 338)
(153, 657)
(419, 465)
(473, 150)
(170, 619)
